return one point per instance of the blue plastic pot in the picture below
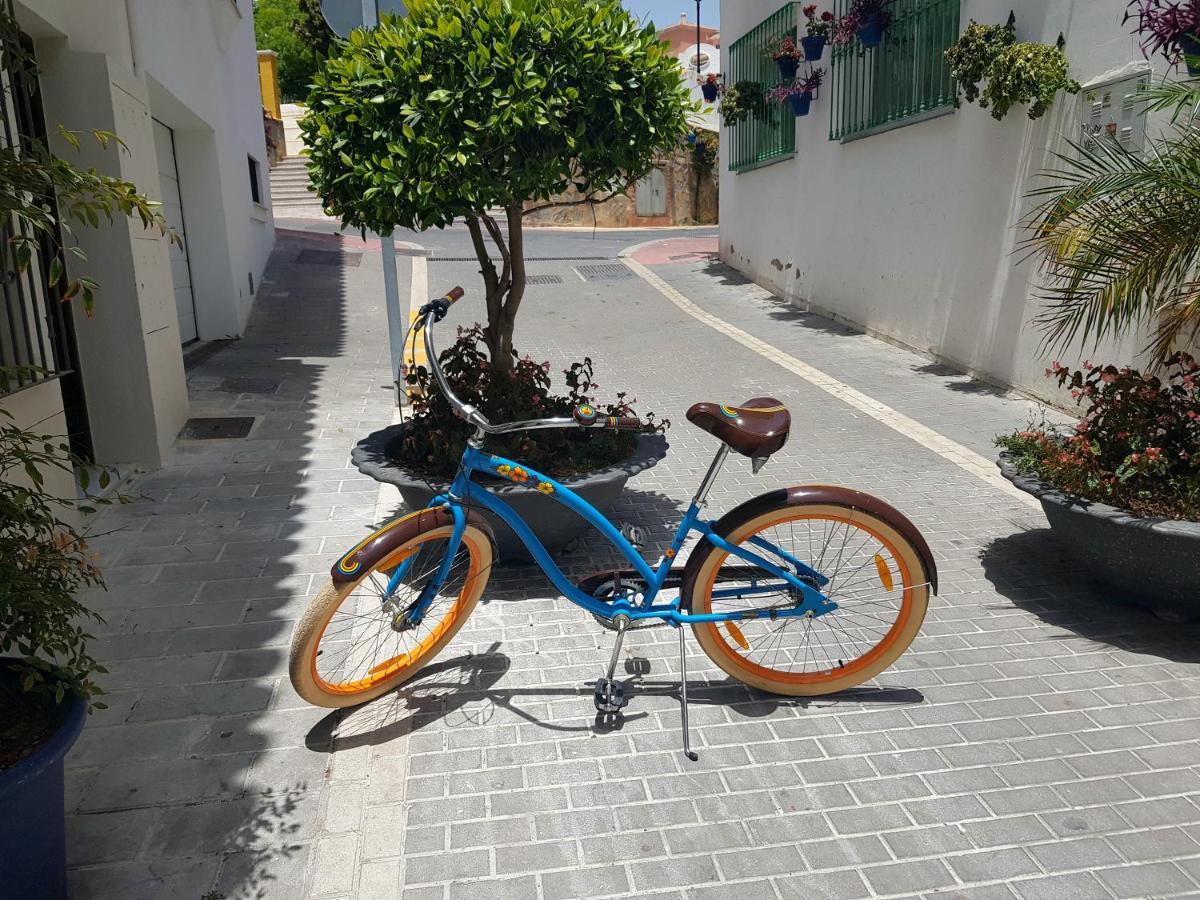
(870, 32)
(1190, 44)
(788, 67)
(710, 92)
(814, 47)
(801, 103)
(33, 841)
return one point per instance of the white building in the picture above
(890, 209)
(177, 81)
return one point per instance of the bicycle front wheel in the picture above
(876, 578)
(356, 642)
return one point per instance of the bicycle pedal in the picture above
(610, 696)
(635, 534)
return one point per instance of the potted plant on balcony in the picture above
(799, 94)
(742, 101)
(711, 87)
(865, 21)
(786, 55)
(819, 27)
(463, 108)
(1170, 28)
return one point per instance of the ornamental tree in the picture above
(467, 107)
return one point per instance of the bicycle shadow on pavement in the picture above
(468, 690)
(1035, 572)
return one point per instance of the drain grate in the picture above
(216, 428)
(329, 258)
(543, 279)
(249, 384)
(609, 272)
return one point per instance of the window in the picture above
(904, 80)
(255, 189)
(771, 134)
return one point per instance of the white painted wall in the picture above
(707, 118)
(909, 234)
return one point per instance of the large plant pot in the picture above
(1190, 44)
(710, 92)
(788, 67)
(33, 844)
(814, 47)
(870, 31)
(554, 524)
(1152, 562)
(801, 103)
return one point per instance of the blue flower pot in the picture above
(33, 843)
(1190, 44)
(801, 103)
(870, 32)
(788, 67)
(710, 92)
(814, 47)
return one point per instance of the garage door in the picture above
(172, 209)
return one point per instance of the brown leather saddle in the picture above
(757, 428)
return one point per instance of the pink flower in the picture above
(1153, 453)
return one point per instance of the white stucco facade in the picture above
(173, 77)
(909, 233)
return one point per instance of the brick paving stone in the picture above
(1037, 741)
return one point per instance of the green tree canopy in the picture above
(295, 30)
(471, 105)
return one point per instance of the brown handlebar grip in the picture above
(624, 423)
(455, 295)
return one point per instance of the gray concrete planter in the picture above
(554, 524)
(1152, 562)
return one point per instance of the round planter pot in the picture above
(1152, 562)
(555, 525)
(33, 843)
(870, 32)
(814, 47)
(801, 103)
(710, 92)
(1190, 44)
(788, 67)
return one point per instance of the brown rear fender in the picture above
(378, 546)
(804, 494)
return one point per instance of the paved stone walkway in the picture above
(1038, 740)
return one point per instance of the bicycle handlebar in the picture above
(583, 416)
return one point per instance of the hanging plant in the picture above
(865, 22)
(1170, 28)
(800, 93)
(1029, 73)
(973, 55)
(741, 102)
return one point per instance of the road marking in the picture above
(963, 457)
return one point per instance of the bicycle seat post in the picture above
(710, 477)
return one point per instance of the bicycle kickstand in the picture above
(683, 698)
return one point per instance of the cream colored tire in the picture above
(303, 658)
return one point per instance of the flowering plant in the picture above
(804, 84)
(434, 441)
(845, 31)
(1165, 26)
(818, 26)
(712, 78)
(1137, 446)
(784, 48)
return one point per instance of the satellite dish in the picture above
(344, 16)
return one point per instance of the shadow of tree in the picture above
(1035, 572)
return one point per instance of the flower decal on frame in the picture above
(519, 475)
(546, 487)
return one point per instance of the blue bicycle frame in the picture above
(466, 493)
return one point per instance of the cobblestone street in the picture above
(1039, 740)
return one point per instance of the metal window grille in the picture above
(759, 139)
(904, 80)
(34, 336)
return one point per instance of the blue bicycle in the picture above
(801, 591)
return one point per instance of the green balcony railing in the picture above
(772, 134)
(904, 79)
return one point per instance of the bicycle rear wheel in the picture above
(354, 643)
(875, 576)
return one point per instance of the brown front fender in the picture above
(378, 546)
(813, 493)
